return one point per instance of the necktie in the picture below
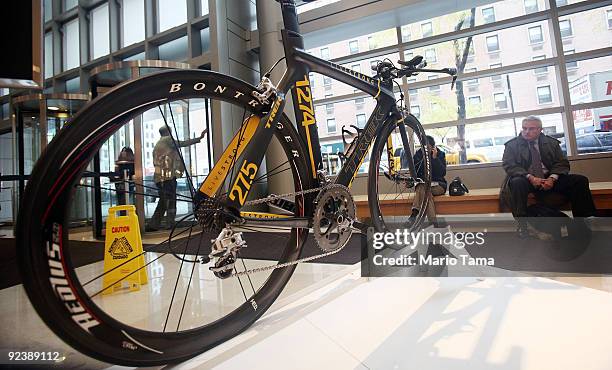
(536, 162)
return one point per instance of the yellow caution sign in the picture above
(123, 259)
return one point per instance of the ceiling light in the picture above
(53, 108)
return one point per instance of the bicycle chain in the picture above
(272, 197)
(300, 260)
(274, 267)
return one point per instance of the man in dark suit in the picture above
(438, 182)
(534, 163)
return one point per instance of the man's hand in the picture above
(548, 183)
(434, 152)
(536, 181)
(203, 134)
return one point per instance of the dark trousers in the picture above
(574, 187)
(166, 203)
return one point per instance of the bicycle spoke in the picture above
(176, 283)
(189, 283)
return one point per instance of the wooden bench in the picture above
(476, 201)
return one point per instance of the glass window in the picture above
(415, 110)
(354, 46)
(544, 95)
(427, 29)
(329, 108)
(205, 39)
(204, 6)
(492, 43)
(70, 45)
(359, 102)
(48, 52)
(73, 85)
(592, 83)
(488, 15)
(371, 43)
(474, 100)
(331, 125)
(500, 101)
(69, 4)
(531, 6)
(561, 2)
(609, 18)
(541, 69)
(361, 120)
(566, 28)
(327, 81)
(430, 55)
(171, 13)
(535, 34)
(473, 81)
(100, 31)
(175, 50)
(325, 53)
(133, 22)
(48, 9)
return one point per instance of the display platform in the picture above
(332, 318)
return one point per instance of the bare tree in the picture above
(462, 51)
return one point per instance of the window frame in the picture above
(537, 7)
(549, 93)
(484, 17)
(495, 101)
(570, 28)
(335, 126)
(537, 42)
(496, 36)
(351, 43)
(430, 32)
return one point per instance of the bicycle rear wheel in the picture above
(392, 188)
(184, 309)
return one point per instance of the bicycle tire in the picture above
(43, 218)
(381, 222)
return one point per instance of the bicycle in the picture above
(224, 207)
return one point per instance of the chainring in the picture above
(333, 217)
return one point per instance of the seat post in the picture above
(290, 19)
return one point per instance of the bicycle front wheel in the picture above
(394, 191)
(184, 309)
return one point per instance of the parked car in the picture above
(452, 156)
(593, 142)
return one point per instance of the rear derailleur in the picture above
(224, 251)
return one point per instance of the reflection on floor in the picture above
(146, 308)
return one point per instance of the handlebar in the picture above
(386, 69)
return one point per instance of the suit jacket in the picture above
(517, 160)
(517, 157)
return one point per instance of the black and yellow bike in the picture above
(234, 214)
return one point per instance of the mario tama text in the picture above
(404, 242)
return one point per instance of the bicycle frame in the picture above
(255, 135)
